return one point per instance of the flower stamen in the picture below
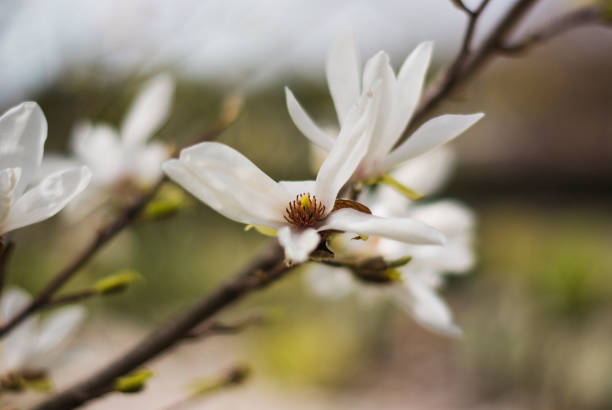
(304, 210)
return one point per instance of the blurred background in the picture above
(537, 309)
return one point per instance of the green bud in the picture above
(117, 282)
(134, 382)
(166, 203)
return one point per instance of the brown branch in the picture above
(266, 270)
(578, 18)
(102, 238)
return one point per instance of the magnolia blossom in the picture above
(232, 185)
(24, 197)
(399, 98)
(34, 344)
(415, 291)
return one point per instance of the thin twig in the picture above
(5, 255)
(269, 268)
(578, 18)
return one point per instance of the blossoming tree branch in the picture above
(358, 227)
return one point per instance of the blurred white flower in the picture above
(399, 100)
(35, 344)
(126, 154)
(24, 197)
(122, 158)
(232, 185)
(416, 291)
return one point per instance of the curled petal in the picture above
(298, 243)
(400, 229)
(47, 198)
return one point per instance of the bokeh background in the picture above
(537, 309)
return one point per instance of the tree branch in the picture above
(266, 270)
(578, 18)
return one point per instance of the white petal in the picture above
(47, 198)
(23, 131)
(149, 111)
(17, 345)
(378, 68)
(401, 229)
(99, 147)
(426, 306)
(305, 124)
(329, 282)
(298, 243)
(147, 162)
(410, 81)
(57, 328)
(229, 183)
(342, 70)
(349, 149)
(13, 301)
(430, 135)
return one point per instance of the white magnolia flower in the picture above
(125, 154)
(34, 344)
(25, 199)
(233, 186)
(399, 100)
(416, 291)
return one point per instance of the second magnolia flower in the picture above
(232, 185)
